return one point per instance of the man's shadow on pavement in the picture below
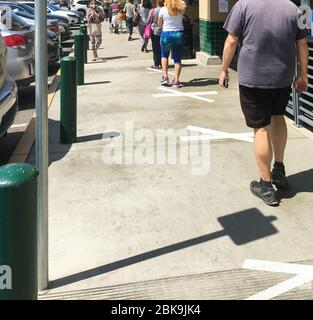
(298, 183)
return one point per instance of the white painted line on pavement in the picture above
(160, 71)
(214, 135)
(304, 274)
(281, 267)
(175, 93)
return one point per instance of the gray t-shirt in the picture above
(268, 31)
(129, 10)
(144, 13)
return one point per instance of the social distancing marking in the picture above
(304, 275)
(171, 93)
(159, 71)
(209, 134)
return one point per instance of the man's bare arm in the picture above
(301, 82)
(230, 48)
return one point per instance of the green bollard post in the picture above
(79, 55)
(83, 30)
(68, 125)
(18, 232)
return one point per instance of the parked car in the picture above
(54, 2)
(72, 17)
(79, 15)
(28, 7)
(29, 17)
(8, 93)
(57, 7)
(65, 3)
(55, 11)
(54, 48)
(19, 39)
(81, 5)
(53, 41)
(63, 26)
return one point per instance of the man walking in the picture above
(269, 36)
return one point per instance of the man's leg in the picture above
(263, 152)
(256, 106)
(278, 133)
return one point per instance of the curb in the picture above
(25, 145)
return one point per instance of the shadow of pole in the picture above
(242, 227)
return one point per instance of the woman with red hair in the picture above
(172, 38)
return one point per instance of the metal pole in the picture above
(41, 66)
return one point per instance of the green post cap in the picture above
(68, 58)
(17, 174)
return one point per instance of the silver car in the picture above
(8, 93)
(19, 39)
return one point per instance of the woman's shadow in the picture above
(298, 183)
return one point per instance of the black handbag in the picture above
(136, 18)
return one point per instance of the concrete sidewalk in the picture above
(156, 230)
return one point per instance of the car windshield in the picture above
(25, 15)
(28, 8)
(53, 7)
(30, 4)
(18, 23)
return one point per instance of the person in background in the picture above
(172, 38)
(156, 35)
(106, 9)
(95, 16)
(114, 9)
(129, 9)
(144, 10)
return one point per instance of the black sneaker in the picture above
(278, 178)
(267, 194)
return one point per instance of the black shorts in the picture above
(259, 105)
